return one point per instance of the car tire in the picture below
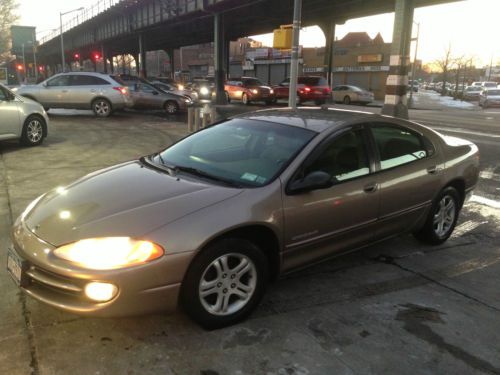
(269, 102)
(228, 99)
(244, 99)
(171, 107)
(347, 100)
(102, 107)
(33, 131)
(224, 283)
(442, 217)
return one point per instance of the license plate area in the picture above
(16, 268)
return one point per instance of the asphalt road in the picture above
(395, 307)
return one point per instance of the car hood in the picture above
(130, 199)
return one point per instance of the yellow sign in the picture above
(370, 58)
(283, 37)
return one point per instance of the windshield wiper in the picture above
(201, 173)
(171, 169)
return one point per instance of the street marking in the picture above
(486, 201)
(463, 131)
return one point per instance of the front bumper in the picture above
(141, 289)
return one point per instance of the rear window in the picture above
(84, 80)
(252, 82)
(119, 80)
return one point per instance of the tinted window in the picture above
(313, 81)
(246, 152)
(59, 81)
(398, 146)
(83, 80)
(118, 80)
(252, 82)
(147, 88)
(344, 158)
(3, 94)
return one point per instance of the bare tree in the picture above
(7, 18)
(445, 64)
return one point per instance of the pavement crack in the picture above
(392, 261)
(35, 368)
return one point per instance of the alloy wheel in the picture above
(227, 284)
(34, 131)
(101, 108)
(444, 216)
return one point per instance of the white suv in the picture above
(80, 90)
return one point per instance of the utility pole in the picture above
(491, 68)
(414, 63)
(294, 68)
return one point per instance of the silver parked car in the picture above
(171, 88)
(348, 94)
(80, 90)
(22, 118)
(146, 96)
(471, 93)
(208, 221)
(489, 98)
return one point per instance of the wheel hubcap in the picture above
(102, 108)
(34, 131)
(227, 284)
(444, 216)
(171, 108)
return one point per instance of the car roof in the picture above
(315, 119)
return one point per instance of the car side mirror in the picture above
(313, 181)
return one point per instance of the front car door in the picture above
(408, 173)
(84, 88)
(321, 222)
(9, 115)
(54, 92)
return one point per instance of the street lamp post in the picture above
(61, 14)
(414, 62)
(294, 68)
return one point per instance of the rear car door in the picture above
(84, 88)
(408, 173)
(322, 222)
(9, 115)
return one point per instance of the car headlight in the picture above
(271, 91)
(187, 100)
(255, 91)
(109, 252)
(180, 87)
(204, 91)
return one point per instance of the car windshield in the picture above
(252, 82)
(240, 152)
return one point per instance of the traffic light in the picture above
(76, 56)
(19, 67)
(40, 68)
(96, 56)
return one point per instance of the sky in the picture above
(470, 27)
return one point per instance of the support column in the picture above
(104, 60)
(396, 103)
(328, 29)
(142, 58)
(112, 64)
(219, 59)
(227, 57)
(171, 58)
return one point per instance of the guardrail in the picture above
(81, 17)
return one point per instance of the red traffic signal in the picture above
(96, 56)
(19, 67)
(40, 68)
(76, 56)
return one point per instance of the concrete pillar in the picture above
(171, 58)
(329, 31)
(395, 103)
(227, 57)
(124, 68)
(104, 60)
(112, 64)
(142, 58)
(219, 58)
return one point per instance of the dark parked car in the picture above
(309, 88)
(208, 221)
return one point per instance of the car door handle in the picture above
(370, 188)
(432, 170)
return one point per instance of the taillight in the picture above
(122, 90)
(327, 90)
(307, 89)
